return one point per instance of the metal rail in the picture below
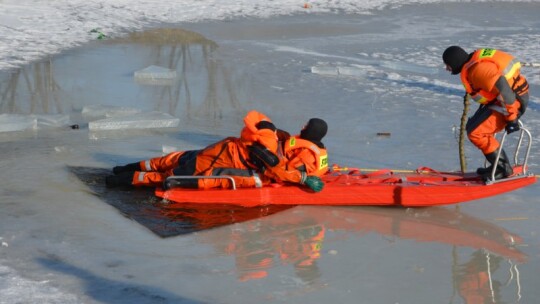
(177, 177)
(523, 132)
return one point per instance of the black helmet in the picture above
(455, 57)
(314, 130)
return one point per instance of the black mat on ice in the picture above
(165, 220)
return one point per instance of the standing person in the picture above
(244, 159)
(493, 79)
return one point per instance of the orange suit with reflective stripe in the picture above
(226, 157)
(300, 157)
(479, 76)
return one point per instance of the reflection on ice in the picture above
(476, 281)
(170, 71)
(300, 237)
(155, 75)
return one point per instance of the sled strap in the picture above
(421, 170)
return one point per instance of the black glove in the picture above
(512, 126)
(258, 153)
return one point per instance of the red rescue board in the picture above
(421, 188)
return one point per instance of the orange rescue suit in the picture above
(300, 158)
(479, 76)
(226, 157)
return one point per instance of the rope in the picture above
(531, 64)
(404, 171)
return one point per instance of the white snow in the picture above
(32, 29)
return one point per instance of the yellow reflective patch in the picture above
(323, 162)
(292, 141)
(480, 99)
(487, 53)
(515, 68)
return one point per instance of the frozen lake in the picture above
(64, 240)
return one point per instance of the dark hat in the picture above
(455, 57)
(314, 130)
(264, 124)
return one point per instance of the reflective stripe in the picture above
(479, 98)
(511, 69)
(140, 177)
(147, 166)
(258, 182)
(315, 149)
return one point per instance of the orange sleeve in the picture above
(302, 157)
(483, 76)
(280, 174)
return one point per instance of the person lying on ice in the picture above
(302, 154)
(493, 79)
(246, 159)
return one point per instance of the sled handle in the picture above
(230, 178)
(523, 131)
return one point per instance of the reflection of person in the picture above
(493, 79)
(245, 159)
(474, 281)
(303, 249)
(259, 248)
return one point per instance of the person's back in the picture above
(493, 79)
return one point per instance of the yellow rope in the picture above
(511, 218)
(399, 171)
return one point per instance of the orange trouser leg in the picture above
(163, 163)
(483, 136)
(151, 179)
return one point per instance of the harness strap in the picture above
(216, 157)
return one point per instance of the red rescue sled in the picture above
(350, 187)
(420, 188)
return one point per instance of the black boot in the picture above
(127, 168)
(121, 180)
(503, 169)
(490, 159)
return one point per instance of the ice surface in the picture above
(409, 67)
(355, 71)
(93, 112)
(17, 122)
(64, 244)
(52, 120)
(148, 120)
(325, 70)
(166, 149)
